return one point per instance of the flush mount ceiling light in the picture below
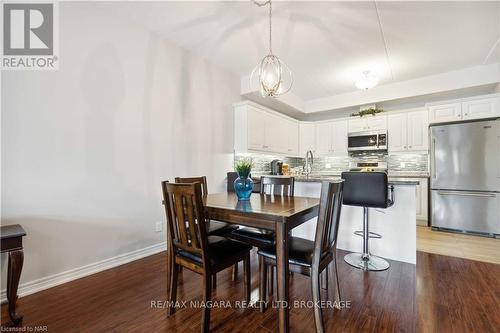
(274, 76)
(366, 81)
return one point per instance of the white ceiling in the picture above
(328, 44)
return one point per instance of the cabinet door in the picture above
(323, 138)
(256, 129)
(422, 202)
(339, 137)
(292, 133)
(307, 138)
(445, 112)
(418, 131)
(397, 132)
(276, 138)
(481, 108)
(376, 123)
(357, 125)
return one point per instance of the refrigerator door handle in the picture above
(433, 158)
(468, 194)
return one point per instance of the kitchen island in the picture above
(396, 224)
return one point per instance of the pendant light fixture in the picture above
(274, 76)
(366, 81)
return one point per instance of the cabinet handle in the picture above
(409, 147)
(404, 147)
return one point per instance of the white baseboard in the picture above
(50, 281)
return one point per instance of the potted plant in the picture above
(243, 185)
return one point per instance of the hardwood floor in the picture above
(458, 245)
(119, 300)
(451, 295)
(457, 295)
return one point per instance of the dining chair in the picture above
(214, 228)
(217, 228)
(308, 257)
(192, 247)
(260, 238)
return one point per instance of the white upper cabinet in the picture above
(408, 131)
(331, 138)
(367, 123)
(376, 123)
(418, 130)
(307, 138)
(275, 137)
(481, 108)
(339, 137)
(398, 132)
(445, 112)
(257, 129)
(291, 134)
(323, 138)
(465, 109)
(357, 125)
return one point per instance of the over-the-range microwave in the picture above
(368, 140)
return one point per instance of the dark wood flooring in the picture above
(119, 300)
(457, 295)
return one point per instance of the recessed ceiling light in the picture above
(366, 81)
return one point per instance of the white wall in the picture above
(84, 148)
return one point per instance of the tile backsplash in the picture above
(408, 162)
(402, 162)
(262, 162)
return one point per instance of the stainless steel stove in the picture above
(368, 166)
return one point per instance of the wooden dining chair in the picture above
(308, 257)
(192, 247)
(214, 228)
(217, 228)
(260, 238)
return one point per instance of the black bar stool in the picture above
(367, 190)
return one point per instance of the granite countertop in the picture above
(320, 178)
(408, 174)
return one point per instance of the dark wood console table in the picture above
(12, 242)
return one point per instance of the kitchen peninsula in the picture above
(396, 224)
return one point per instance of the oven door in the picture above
(363, 141)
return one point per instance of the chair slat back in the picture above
(328, 218)
(202, 180)
(283, 186)
(185, 217)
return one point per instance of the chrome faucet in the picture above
(308, 163)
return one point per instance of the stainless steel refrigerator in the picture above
(465, 176)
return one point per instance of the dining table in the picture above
(271, 212)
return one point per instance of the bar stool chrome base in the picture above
(366, 262)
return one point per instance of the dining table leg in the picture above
(282, 240)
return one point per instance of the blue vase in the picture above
(243, 186)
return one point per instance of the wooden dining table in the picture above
(277, 213)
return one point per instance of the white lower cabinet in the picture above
(422, 194)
